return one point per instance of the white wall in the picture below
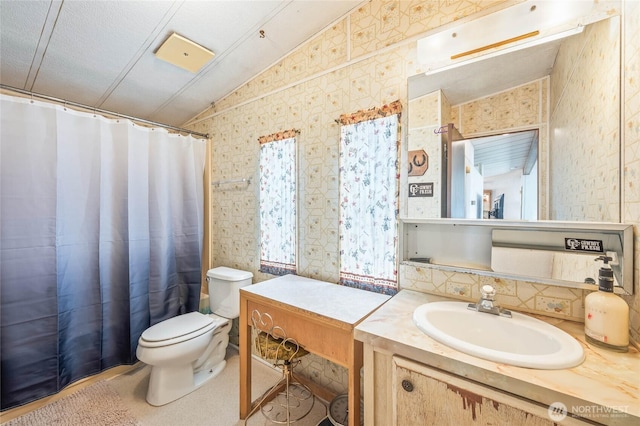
(509, 184)
(530, 194)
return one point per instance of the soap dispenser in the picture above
(606, 315)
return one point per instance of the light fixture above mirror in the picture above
(523, 25)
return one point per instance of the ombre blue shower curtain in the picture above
(101, 236)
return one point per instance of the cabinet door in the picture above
(426, 396)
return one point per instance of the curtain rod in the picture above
(101, 111)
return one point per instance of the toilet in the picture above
(186, 351)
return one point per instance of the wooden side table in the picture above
(321, 316)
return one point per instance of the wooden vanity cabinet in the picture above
(419, 395)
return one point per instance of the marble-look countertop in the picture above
(604, 388)
(346, 304)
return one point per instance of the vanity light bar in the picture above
(510, 26)
(532, 43)
(498, 44)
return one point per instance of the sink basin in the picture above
(521, 340)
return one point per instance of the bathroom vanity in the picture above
(411, 379)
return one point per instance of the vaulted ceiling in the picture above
(101, 53)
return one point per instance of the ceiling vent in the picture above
(184, 53)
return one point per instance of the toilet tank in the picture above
(224, 290)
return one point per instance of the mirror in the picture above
(566, 91)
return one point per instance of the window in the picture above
(278, 203)
(369, 170)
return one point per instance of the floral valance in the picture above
(370, 114)
(285, 134)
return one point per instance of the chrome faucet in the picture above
(488, 303)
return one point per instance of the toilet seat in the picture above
(179, 329)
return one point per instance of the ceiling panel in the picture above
(166, 82)
(92, 44)
(253, 52)
(101, 53)
(21, 23)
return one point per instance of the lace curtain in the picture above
(369, 199)
(278, 203)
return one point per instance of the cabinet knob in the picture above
(407, 385)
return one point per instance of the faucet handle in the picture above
(488, 292)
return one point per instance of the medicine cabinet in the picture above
(549, 252)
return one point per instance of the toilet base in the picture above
(168, 384)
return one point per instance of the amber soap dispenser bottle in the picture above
(606, 315)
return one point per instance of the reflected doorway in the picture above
(494, 177)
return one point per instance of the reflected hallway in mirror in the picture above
(495, 177)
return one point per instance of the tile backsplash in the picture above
(558, 302)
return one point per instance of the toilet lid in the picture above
(182, 325)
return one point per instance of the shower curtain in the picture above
(101, 236)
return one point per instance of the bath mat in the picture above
(98, 404)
